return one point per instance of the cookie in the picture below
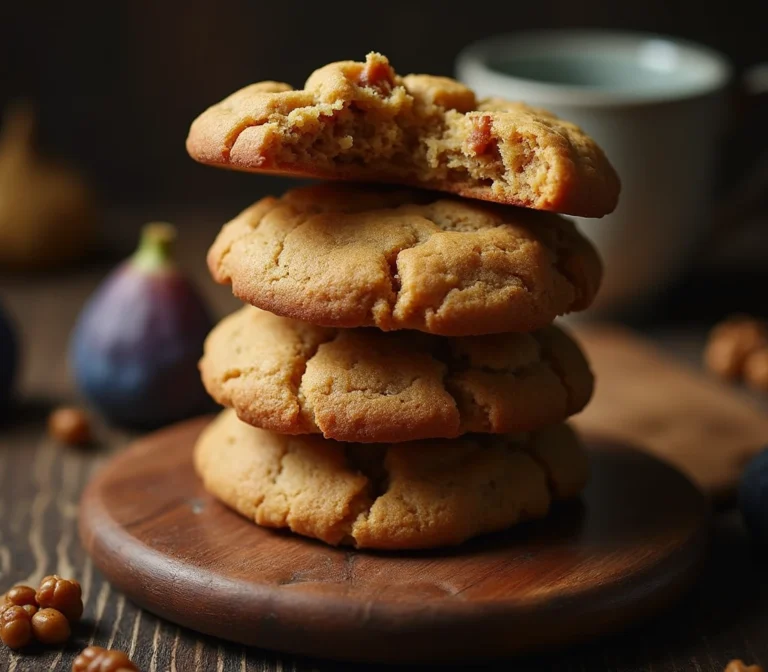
(364, 385)
(399, 496)
(362, 121)
(352, 256)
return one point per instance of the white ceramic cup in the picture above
(656, 105)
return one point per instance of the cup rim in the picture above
(472, 66)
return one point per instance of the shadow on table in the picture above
(721, 616)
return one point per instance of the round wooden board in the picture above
(627, 549)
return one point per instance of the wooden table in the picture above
(725, 617)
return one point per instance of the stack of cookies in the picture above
(395, 380)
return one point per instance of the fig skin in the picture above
(9, 359)
(135, 347)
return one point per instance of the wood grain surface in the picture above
(610, 558)
(706, 428)
(725, 617)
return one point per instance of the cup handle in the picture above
(733, 213)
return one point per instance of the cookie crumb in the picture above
(69, 425)
(739, 666)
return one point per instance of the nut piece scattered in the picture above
(756, 370)
(31, 609)
(50, 626)
(70, 426)
(731, 342)
(45, 615)
(63, 595)
(739, 666)
(21, 595)
(15, 627)
(102, 660)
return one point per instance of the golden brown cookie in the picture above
(367, 386)
(362, 121)
(352, 256)
(406, 495)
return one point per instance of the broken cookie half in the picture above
(363, 122)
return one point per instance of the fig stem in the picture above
(155, 251)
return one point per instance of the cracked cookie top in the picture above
(363, 385)
(364, 122)
(350, 256)
(401, 496)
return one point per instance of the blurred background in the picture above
(111, 87)
(116, 85)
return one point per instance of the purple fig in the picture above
(136, 344)
(9, 356)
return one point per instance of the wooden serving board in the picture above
(683, 416)
(629, 547)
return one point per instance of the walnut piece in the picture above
(70, 426)
(21, 595)
(98, 659)
(51, 627)
(756, 370)
(64, 595)
(731, 343)
(15, 627)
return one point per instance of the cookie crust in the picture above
(352, 256)
(392, 497)
(366, 386)
(362, 121)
